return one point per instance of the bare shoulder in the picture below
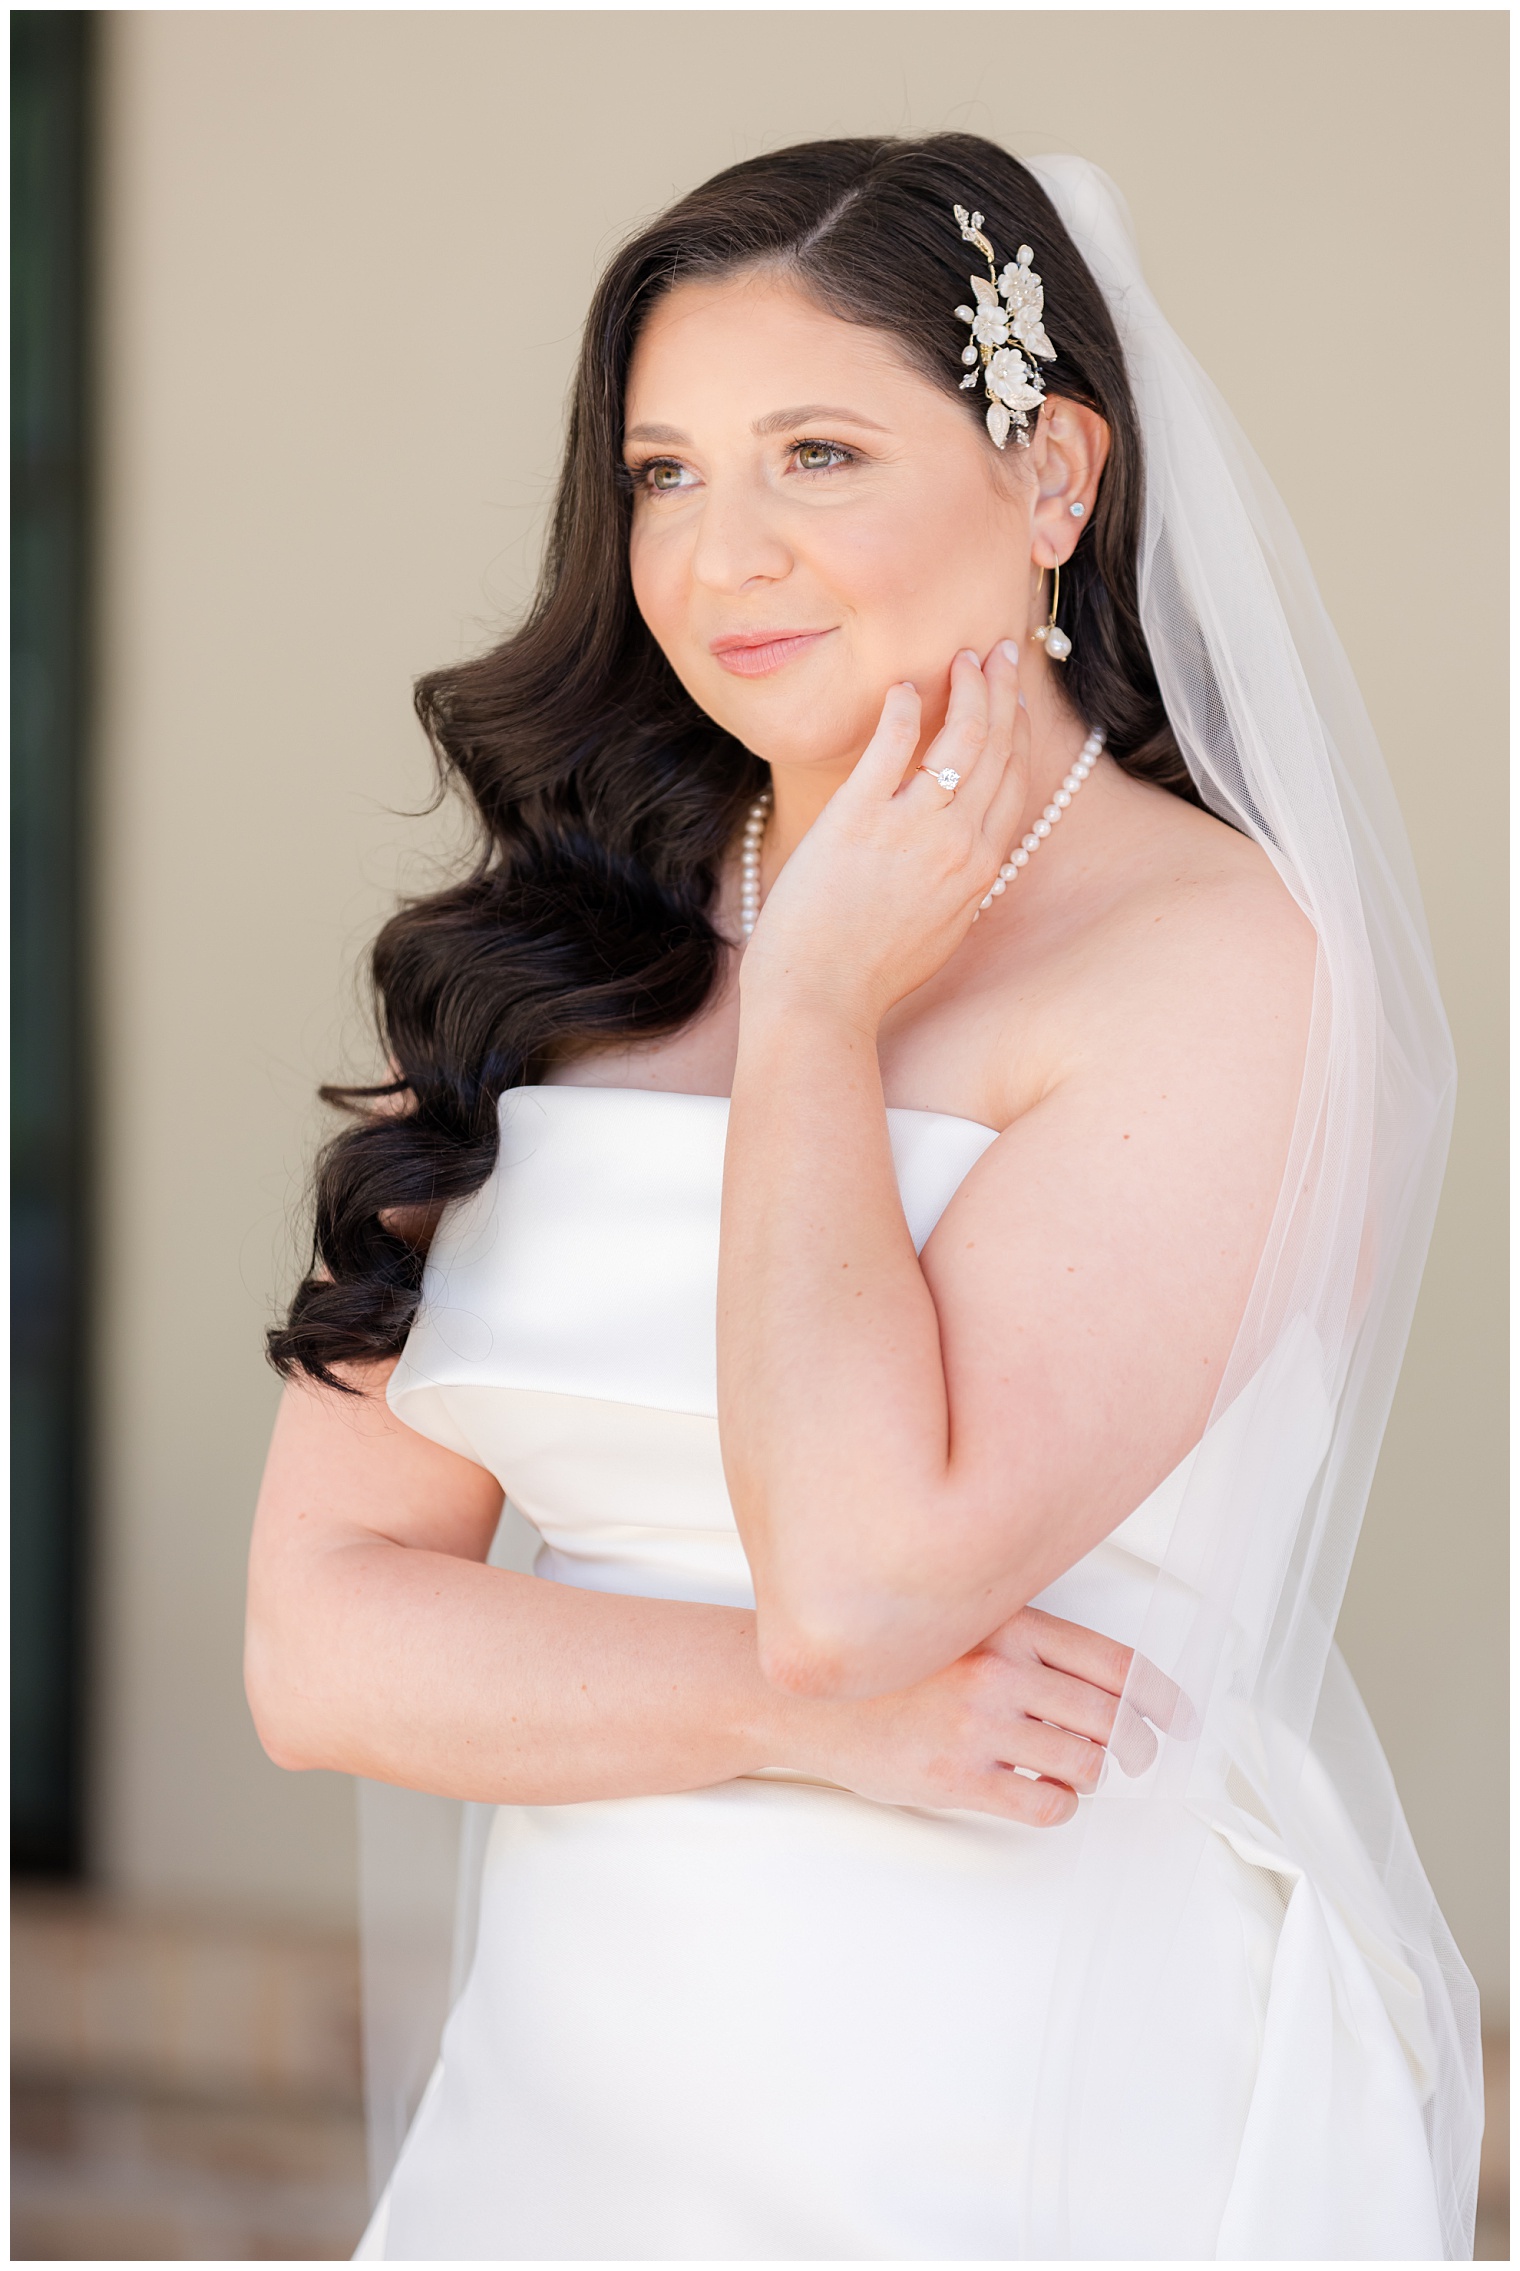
(1171, 940)
(1184, 882)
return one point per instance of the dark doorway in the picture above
(51, 53)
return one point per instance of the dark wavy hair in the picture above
(606, 800)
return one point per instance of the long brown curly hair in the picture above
(605, 799)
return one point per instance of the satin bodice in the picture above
(567, 1338)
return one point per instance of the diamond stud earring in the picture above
(1076, 511)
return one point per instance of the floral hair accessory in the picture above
(1007, 331)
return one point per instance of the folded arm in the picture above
(380, 1643)
(917, 1447)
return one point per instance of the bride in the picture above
(908, 1160)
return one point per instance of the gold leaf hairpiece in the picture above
(1007, 334)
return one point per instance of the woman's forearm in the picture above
(834, 1412)
(443, 1674)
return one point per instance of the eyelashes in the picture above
(639, 479)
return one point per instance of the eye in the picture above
(821, 457)
(658, 476)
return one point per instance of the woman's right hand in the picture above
(1038, 1694)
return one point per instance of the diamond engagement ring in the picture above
(946, 775)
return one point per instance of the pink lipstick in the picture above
(755, 654)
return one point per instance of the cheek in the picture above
(920, 581)
(658, 587)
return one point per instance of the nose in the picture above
(738, 540)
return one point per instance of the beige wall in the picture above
(346, 259)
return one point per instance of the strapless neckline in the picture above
(587, 1262)
(699, 1096)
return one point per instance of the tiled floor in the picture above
(185, 2088)
(105, 2173)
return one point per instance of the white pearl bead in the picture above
(749, 864)
(1091, 749)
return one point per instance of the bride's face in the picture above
(813, 519)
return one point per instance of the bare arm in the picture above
(915, 1448)
(379, 1643)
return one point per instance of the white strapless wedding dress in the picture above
(772, 2020)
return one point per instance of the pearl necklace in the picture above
(749, 863)
(760, 812)
(1086, 760)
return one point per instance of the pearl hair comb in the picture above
(1008, 317)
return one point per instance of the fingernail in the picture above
(1023, 705)
(1102, 1773)
(1009, 651)
(907, 686)
(969, 654)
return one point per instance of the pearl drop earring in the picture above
(1057, 644)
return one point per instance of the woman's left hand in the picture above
(885, 884)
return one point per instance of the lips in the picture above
(755, 654)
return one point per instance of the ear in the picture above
(1067, 454)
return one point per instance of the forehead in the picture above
(756, 334)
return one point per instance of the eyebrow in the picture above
(777, 422)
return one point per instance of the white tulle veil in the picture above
(1249, 1585)
(1243, 1614)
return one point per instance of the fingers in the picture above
(1037, 1801)
(989, 779)
(1161, 1700)
(1052, 1751)
(1132, 1743)
(1108, 1664)
(889, 752)
(1005, 809)
(1074, 1704)
(1149, 1694)
(1089, 1669)
(982, 720)
(963, 741)
(1074, 1648)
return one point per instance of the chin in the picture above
(793, 733)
